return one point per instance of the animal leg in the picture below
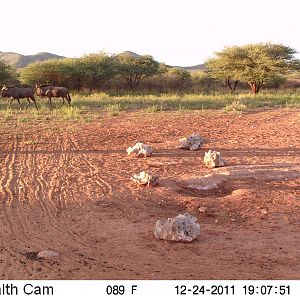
(50, 103)
(69, 99)
(19, 104)
(9, 106)
(34, 102)
(27, 103)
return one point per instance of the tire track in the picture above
(8, 186)
(39, 193)
(93, 170)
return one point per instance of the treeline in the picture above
(237, 67)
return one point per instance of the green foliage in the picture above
(203, 81)
(135, 68)
(235, 106)
(7, 113)
(7, 73)
(255, 64)
(95, 69)
(154, 108)
(69, 113)
(115, 109)
(45, 72)
(89, 71)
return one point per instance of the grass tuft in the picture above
(235, 106)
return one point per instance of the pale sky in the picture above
(176, 32)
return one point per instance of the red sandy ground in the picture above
(65, 187)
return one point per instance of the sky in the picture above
(175, 32)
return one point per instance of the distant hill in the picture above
(195, 68)
(20, 61)
(130, 53)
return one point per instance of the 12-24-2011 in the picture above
(202, 290)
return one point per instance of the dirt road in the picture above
(65, 187)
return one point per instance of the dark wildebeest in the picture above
(18, 93)
(52, 91)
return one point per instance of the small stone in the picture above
(47, 254)
(144, 178)
(140, 149)
(203, 209)
(213, 159)
(183, 228)
(264, 211)
(233, 219)
(193, 142)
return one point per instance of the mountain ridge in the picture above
(20, 61)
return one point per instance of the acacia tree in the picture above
(223, 66)
(46, 72)
(135, 68)
(7, 73)
(95, 69)
(255, 64)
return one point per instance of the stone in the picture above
(47, 254)
(264, 211)
(183, 228)
(203, 209)
(140, 149)
(144, 178)
(193, 142)
(213, 159)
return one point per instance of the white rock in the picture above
(144, 178)
(47, 254)
(193, 142)
(140, 149)
(213, 159)
(183, 228)
(264, 211)
(203, 209)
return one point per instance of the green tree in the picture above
(135, 68)
(88, 71)
(223, 66)
(255, 64)
(95, 69)
(8, 74)
(45, 72)
(203, 82)
(178, 78)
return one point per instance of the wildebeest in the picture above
(52, 91)
(15, 92)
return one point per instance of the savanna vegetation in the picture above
(125, 81)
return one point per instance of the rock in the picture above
(213, 159)
(193, 142)
(47, 254)
(264, 211)
(183, 228)
(203, 209)
(140, 149)
(144, 178)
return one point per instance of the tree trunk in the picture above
(227, 81)
(232, 88)
(254, 87)
(235, 84)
